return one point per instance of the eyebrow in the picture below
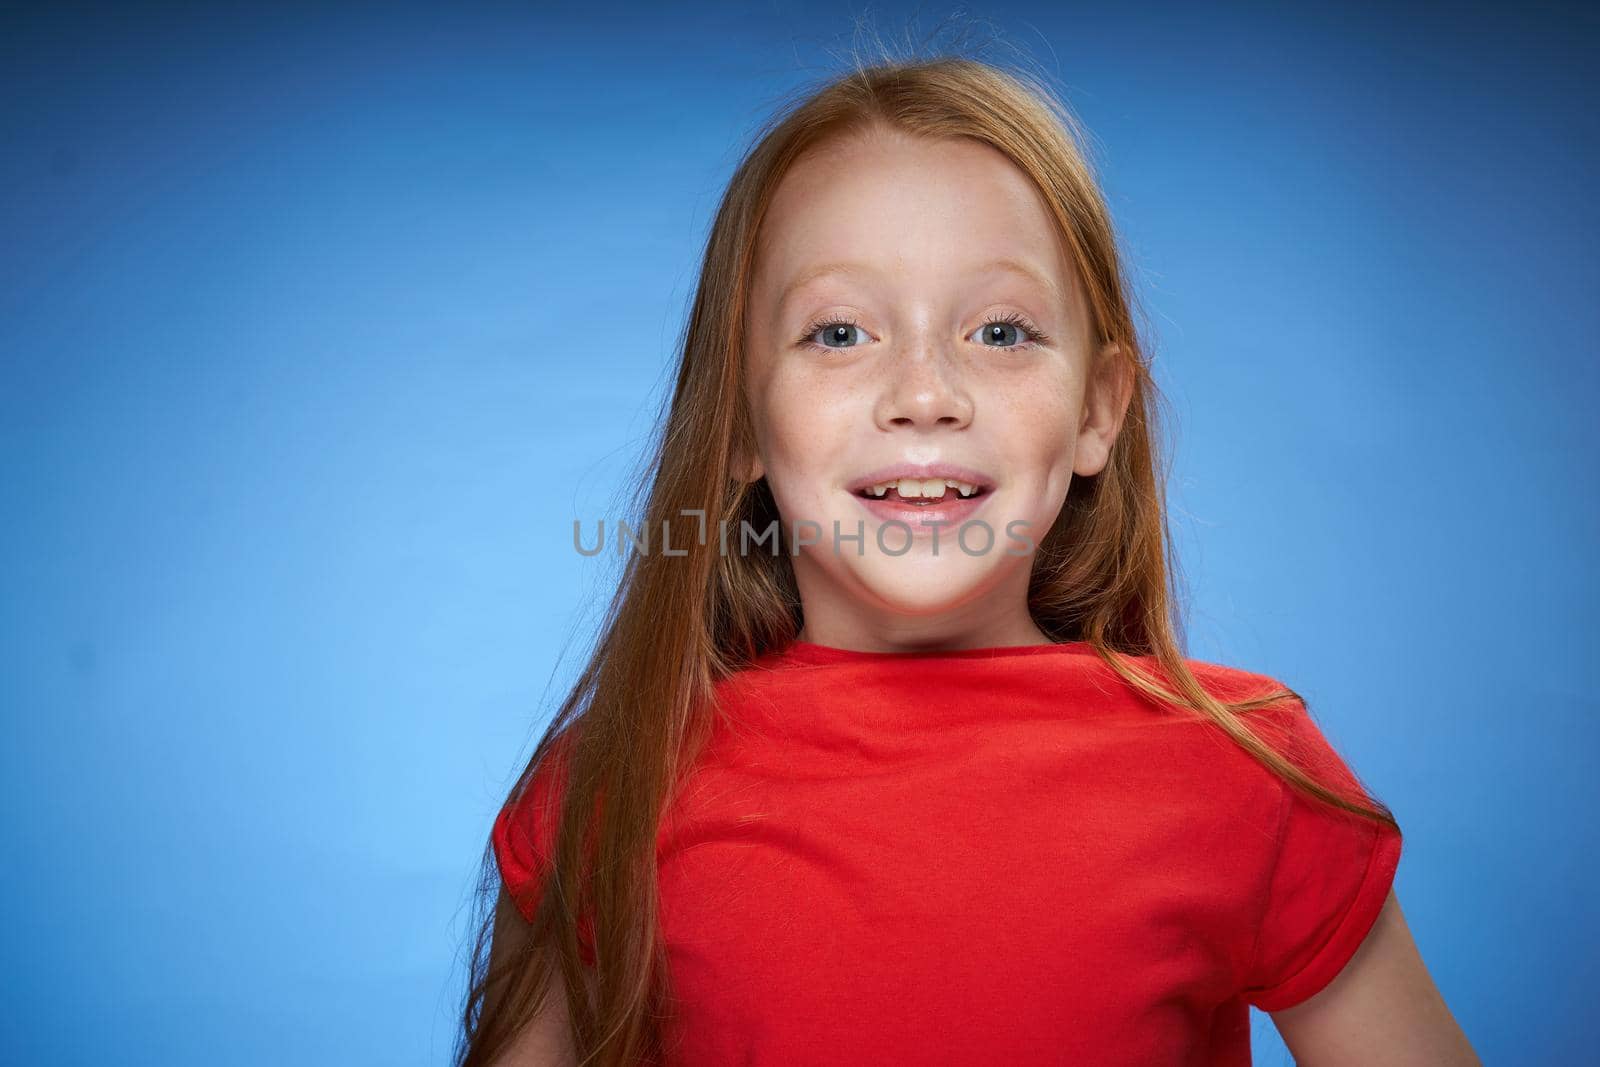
(1009, 266)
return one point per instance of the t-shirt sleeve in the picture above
(1330, 876)
(522, 836)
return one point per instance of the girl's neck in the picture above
(933, 636)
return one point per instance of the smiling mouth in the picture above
(924, 494)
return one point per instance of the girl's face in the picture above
(913, 310)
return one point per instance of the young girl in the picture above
(924, 777)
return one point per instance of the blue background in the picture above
(318, 328)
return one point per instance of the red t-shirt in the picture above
(990, 856)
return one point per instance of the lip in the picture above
(954, 511)
(923, 470)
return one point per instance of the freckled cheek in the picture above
(1040, 436)
(802, 431)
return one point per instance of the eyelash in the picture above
(1010, 319)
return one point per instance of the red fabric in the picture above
(522, 835)
(993, 856)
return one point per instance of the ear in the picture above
(1106, 394)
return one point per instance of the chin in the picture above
(918, 583)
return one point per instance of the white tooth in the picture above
(933, 487)
(910, 487)
(879, 490)
(959, 486)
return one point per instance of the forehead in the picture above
(907, 209)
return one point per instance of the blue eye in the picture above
(832, 330)
(1010, 326)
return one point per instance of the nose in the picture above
(923, 390)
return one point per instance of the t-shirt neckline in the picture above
(811, 652)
